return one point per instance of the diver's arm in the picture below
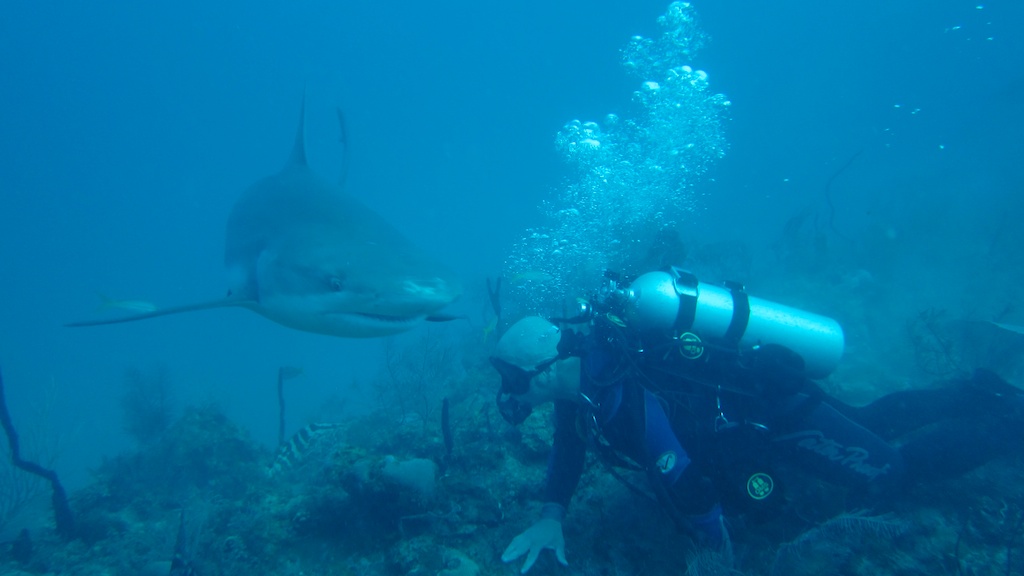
(565, 466)
(568, 454)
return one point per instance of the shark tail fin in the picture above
(222, 303)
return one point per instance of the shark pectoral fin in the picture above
(220, 303)
(445, 317)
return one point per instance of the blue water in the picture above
(129, 129)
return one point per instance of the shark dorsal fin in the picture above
(298, 157)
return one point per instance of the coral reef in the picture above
(147, 403)
(376, 503)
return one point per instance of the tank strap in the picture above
(740, 314)
(685, 284)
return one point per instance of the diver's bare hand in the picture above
(545, 533)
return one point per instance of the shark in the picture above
(304, 253)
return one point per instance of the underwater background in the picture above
(866, 167)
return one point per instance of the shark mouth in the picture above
(386, 319)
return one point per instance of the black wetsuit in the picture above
(719, 437)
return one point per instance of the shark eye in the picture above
(335, 284)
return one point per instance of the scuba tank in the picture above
(674, 302)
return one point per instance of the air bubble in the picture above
(633, 175)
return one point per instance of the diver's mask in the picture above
(515, 381)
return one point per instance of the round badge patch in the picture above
(690, 346)
(666, 462)
(760, 485)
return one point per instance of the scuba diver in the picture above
(703, 388)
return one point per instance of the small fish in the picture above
(305, 442)
(129, 305)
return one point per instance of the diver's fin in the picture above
(221, 303)
(989, 381)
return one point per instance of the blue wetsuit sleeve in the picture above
(568, 454)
